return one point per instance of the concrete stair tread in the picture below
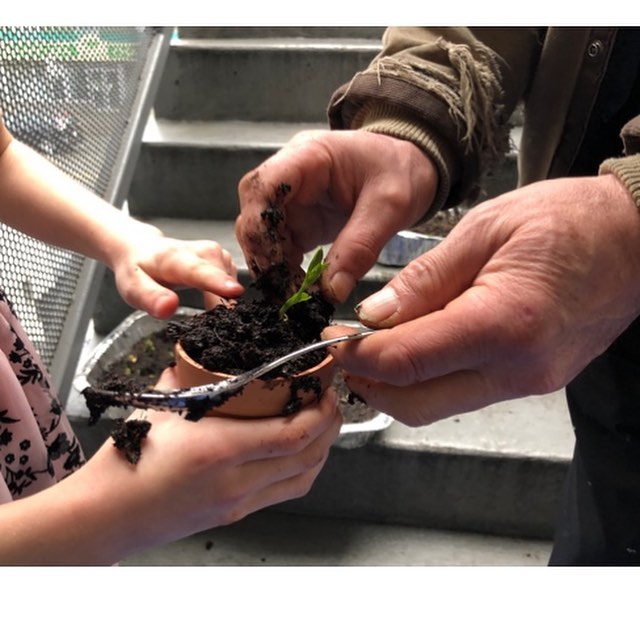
(281, 42)
(342, 32)
(273, 538)
(225, 133)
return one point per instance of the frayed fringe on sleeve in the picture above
(470, 88)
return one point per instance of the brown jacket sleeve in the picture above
(450, 91)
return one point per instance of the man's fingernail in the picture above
(378, 307)
(341, 285)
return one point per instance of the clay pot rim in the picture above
(306, 372)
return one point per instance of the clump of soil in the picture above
(128, 435)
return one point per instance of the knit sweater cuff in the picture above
(379, 118)
(627, 170)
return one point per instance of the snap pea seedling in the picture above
(314, 271)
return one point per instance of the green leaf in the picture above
(314, 271)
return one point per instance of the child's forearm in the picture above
(42, 201)
(79, 521)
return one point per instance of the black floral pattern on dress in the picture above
(30, 372)
(18, 472)
(6, 436)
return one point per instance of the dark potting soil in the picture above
(136, 371)
(127, 436)
(247, 333)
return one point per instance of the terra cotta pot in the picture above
(260, 398)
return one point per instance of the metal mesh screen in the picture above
(69, 93)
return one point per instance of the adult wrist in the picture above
(391, 121)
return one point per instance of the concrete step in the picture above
(498, 470)
(271, 538)
(270, 78)
(349, 32)
(192, 169)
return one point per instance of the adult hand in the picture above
(522, 295)
(149, 266)
(355, 187)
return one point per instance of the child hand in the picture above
(151, 267)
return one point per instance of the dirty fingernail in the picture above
(378, 307)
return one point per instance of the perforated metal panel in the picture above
(80, 96)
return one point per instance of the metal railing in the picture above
(81, 96)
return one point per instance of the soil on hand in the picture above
(128, 435)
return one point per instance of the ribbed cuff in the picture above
(379, 118)
(627, 170)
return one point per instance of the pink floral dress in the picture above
(37, 444)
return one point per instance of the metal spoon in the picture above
(197, 400)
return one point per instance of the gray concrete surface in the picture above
(271, 539)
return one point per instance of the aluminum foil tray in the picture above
(405, 246)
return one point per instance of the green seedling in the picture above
(316, 267)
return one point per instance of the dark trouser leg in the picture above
(599, 520)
